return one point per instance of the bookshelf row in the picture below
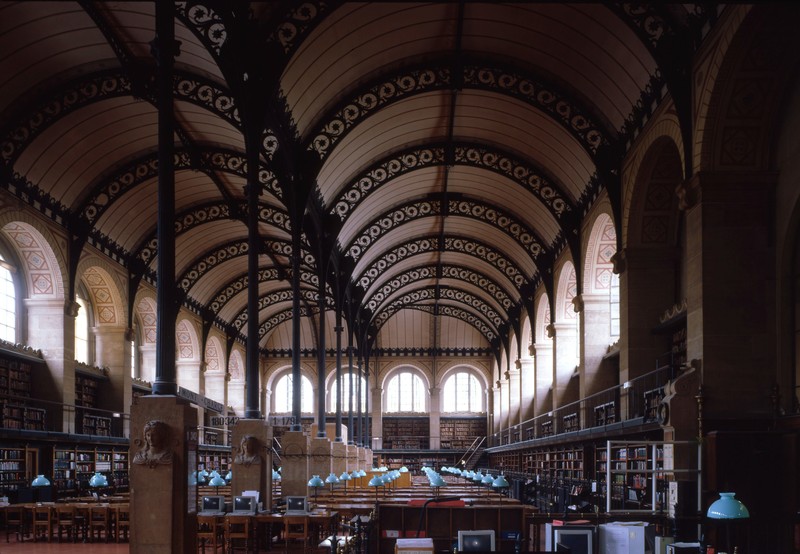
(459, 433)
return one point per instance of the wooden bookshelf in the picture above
(459, 433)
(74, 465)
(210, 458)
(86, 390)
(12, 469)
(405, 432)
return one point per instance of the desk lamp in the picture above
(229, 476)
(40, 481)
(98, 480)
(488, 480)
(345, 477)
(376, 482)
(316, 482)
(332, 480)
(436, 482)
(500, 483)
(726, 507)
(477, 478)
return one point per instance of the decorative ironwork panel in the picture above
(89, 89)
(205, 22)
(286, 315)
(209, 261)
(472, 247)
(298, 22)
(451, 311)
(238, 286)
(422, 295)
(396, 88)
(208, 95)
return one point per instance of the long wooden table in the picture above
(82, 516)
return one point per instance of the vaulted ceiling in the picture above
(434, 158)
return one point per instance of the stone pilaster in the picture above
(565, 346)
(295, 474)
(435, 421)
(514, 394)
(163, 452)
(338, 457)
(543, 397)
(527, 386)
(112, 352)
(251, 454)
(319, 457)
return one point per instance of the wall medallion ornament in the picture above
(247, 451)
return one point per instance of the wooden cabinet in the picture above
(631, 475)
(442, 523)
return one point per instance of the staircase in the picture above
(473, 455)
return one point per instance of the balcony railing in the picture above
(635, 399)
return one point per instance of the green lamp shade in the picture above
(376, 481)
(477, 477)
(217, 481)
(403, 469)
(488, 480)
(229, 475)
(276, 476)
(345, 477)
(727, 507)
(98, 480)
(500, 482)
(316, 482)
(437, 480)
(40, 481)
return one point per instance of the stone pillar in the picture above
(319, 457)
(188, 372)
(364, 458)
(352, 457)
(527, 385)
(295, 474)
(514, 393)
(236, 396)
(497, 409)
(730, 259)
(252, 459)
(543, 370)
(594, 334)
(147, 352)
(112, 352)
(163, 452)
(52, 330)
(565, 347)
(434, 414)
(502, 404)
(338, 457)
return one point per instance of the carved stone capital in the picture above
(577, 303)
(551, 330)
(619, 262)
(71, 308)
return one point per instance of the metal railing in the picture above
(636, 398)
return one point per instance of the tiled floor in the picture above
(30, 547)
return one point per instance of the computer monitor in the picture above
(213, 504)
(562, 548)
(579, 541)
(244, 504)
(476, 541)
(296, 504)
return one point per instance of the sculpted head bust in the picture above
(155, 449)
(248, 450)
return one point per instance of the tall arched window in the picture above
(82, 331)
(8, 302)
(346, 388)
(134, 352)
(462, 393)
(405, 392)
(283, 394)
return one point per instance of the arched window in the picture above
(462, 393)
(346, 388)
(134, 353)
(283, 394)
(405, 392)
(82, 331)
(8, 302)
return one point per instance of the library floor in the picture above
(31, 547)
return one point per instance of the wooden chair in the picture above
(237, 528)
(15, 520)
(122, 522)
(294, 528)
(210, 532)
(65, 521)
(99, 522)
(43, 522)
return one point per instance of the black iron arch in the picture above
(484, 328)
(447, 271)
(464, 245)
(526, 174)
(239, 285)
(516, 229)
(575, 118)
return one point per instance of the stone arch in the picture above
(543, 318)
(214, 355)
(145, 311)
(236, 365)
(601, 247)
(187, 341)
(40, 255)
(103, 288)
(566, 290)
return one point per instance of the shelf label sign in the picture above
(219, 421)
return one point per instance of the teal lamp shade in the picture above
(332, 479)
(214, 473)
(193, 478)
(477, 477)
(276, 476)
(403, 469)
(437, 480)
(202, 475)
(487, 480)
(500, 482)
(376, 481)
(40, 481)
(316, 482)
(345, 477)
(217, 481)
(727, 507)
(229, 476)
(98, 480)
